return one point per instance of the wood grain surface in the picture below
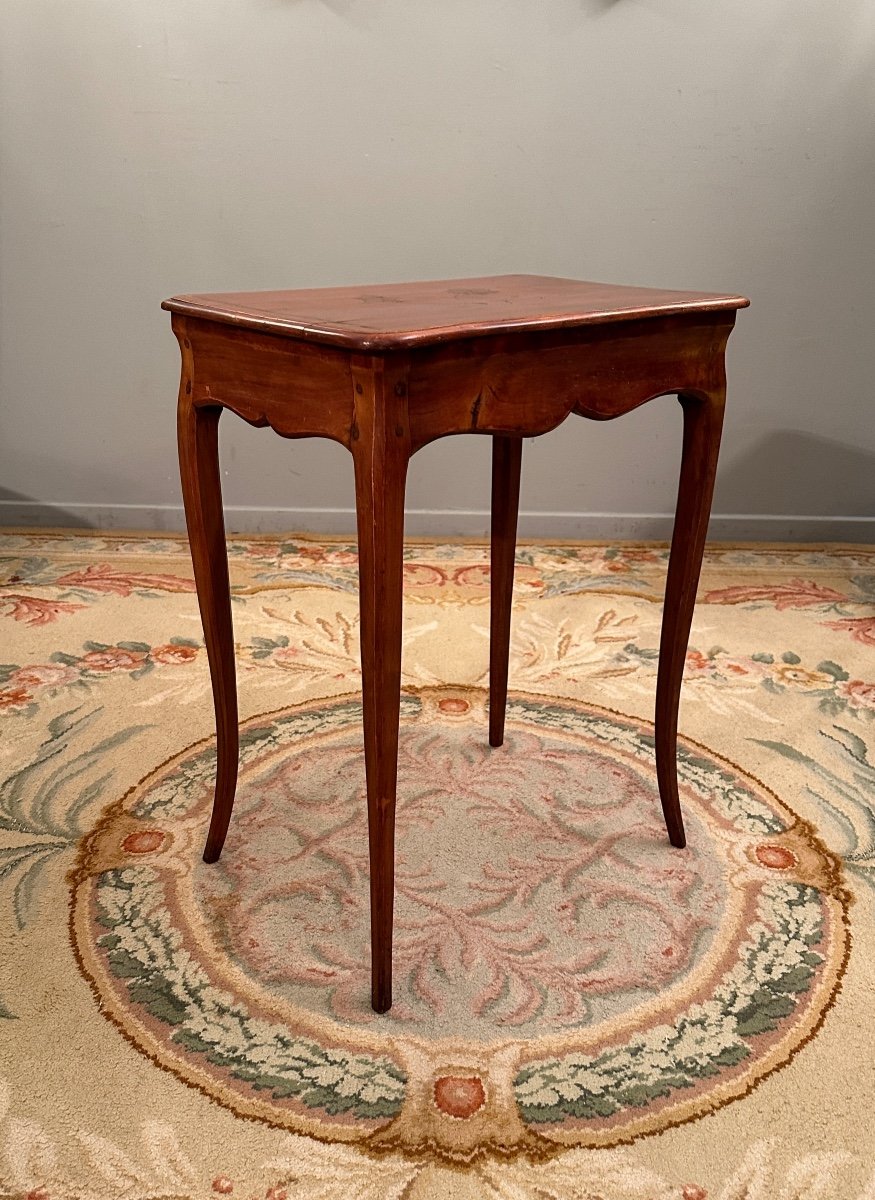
(388, 316)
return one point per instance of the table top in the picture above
(397, 315)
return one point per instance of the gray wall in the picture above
(197, 145)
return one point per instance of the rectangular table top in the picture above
(397, 315)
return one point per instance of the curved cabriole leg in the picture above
(381, 449)
(506, 462)
(197, 433)
(703, 421)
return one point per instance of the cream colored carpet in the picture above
(581, 1012)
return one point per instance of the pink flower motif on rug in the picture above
(44, 675)
(173, 655)
(33, 610)
(101, 577)
(459, 1096)
(859, 695)
(14, 697)
(798, 593)
(113, 658)
(861, 629)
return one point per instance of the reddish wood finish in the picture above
(299, 391)
(380, 452)
(703, 422)
(198, 432)
(507, 454)
(386, 370)
(404, 315)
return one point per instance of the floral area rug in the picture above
(580, 1011)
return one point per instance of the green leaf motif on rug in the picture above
(741, 807)
(46, 801)
(844, 798)
(775, 967)
(146, 953)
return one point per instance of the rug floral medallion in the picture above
(561, 977)
(580, 1010)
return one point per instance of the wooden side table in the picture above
(385, 370)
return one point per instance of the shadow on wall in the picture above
(789, 472)
(17, 510)
(344, 9)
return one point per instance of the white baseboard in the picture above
(726, 527)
